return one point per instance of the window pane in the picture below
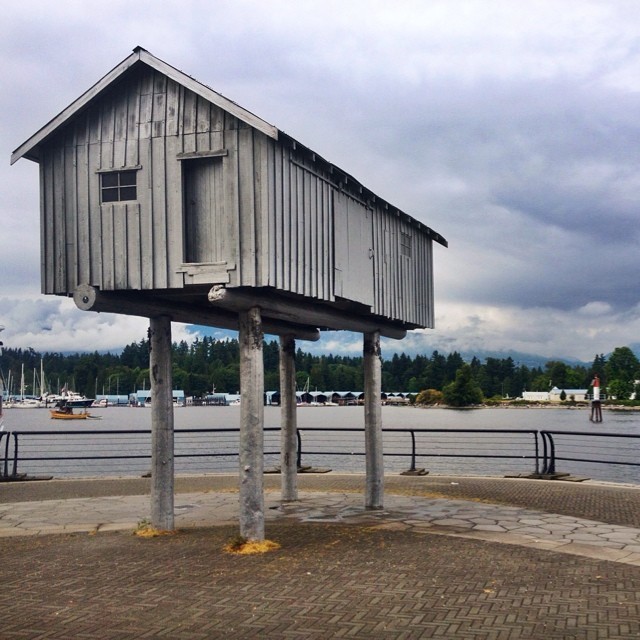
(110, 179)
(118, 185)
(128, 193)
(110, 195)
(128, 178)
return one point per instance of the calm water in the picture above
(439, 453)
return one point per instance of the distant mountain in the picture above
(529, 360)
(348, 343)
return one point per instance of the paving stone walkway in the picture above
(439, 561)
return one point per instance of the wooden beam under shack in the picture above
(277, 308)
(135, 303)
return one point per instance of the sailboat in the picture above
(23, 402)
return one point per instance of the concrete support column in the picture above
(162, 465)
(373, 421)
(251, 425)
(288, 408)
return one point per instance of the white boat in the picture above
(24, 402)
(70, 398)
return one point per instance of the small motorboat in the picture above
(64, 411)
(68, 414)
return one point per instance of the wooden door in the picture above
(353, 273)
(203, 208)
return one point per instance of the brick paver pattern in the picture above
(326, 581)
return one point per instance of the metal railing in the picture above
(460, 451)
(588, 448)
(420, 445)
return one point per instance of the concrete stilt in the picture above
(162, 464)
(251, 425)
(288, 407)
(373, 421)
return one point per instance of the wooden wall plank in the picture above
(247, 213)
(145, 198)
(107, 245)
(329, 229)
(132, 133)
(146, 106)
(216, 128)
(173, 212)
(60, 224)
(232, 239)
(134, 247)
(81, 175)
(263, 224)
(203, 124)
(272, 215)
(307, 264)
(120, 117)
(94, 124)
(69, 204)
(120, 244)
(94, 214)
(107, 123)
(47, 221)
(159, 106)
(159, 213)
(172, 109)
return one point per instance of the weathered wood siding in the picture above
(155, 125)
(273, 216)
(403, 275)
(300, 228)
(327, 243)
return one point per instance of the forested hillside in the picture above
(208, 364)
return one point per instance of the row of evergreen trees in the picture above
(207, 364)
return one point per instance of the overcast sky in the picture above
(512, 129)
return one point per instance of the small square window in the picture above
(405, 244)
(118, 186)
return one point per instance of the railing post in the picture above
(552, 455)
(545, 455)
(15, 453)
(5, 464)
(6, 453)
(299, 457)
(413, 451)
(549, 453)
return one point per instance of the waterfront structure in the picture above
(555, 395)
(162, 198)
(142, 397)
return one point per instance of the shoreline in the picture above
(617, 407)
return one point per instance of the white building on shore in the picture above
(555, 395)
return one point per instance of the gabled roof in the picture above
(29, 149)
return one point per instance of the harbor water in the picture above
(331, 437)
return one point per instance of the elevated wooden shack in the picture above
(162, 198)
